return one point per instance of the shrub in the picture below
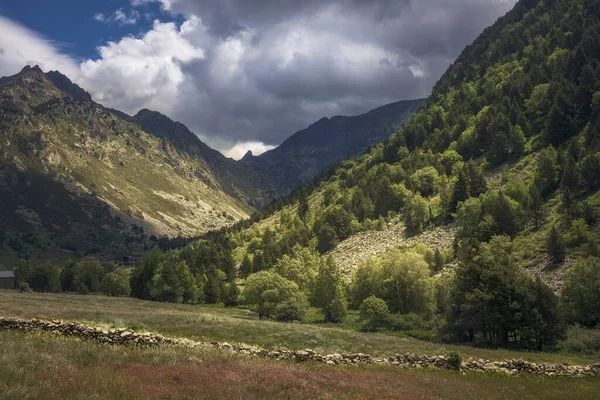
(24, 287)
(455, 360)
(373, 312)
(581, 340)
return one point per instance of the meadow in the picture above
(217, 323)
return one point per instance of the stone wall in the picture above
(409, 360)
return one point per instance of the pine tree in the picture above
(559, 125)
(555, 246)
(438, 259)
(535, 206)
(461, 191)
(246, 268)
(230, 297)
(338, 309)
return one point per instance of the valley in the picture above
(446, 247)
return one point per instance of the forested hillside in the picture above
(505, 151)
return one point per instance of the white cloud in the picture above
(143, 72)
(240, 149)
(165, 4)
(119, 17)
(123, 19)
(20, 46)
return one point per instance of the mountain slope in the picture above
(79, 177)
(234, 178)
(507, 144)
(328, 141)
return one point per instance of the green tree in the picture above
(338, 309)
(67, 275)
(87, 276)
(246, 268)
(438, 259)
(460, 192)
(215, 285)
(45, 278)
(493, 301)
(231, 295)
(373, 312)
(275, 296)
(367, 280)
(416, 214)
(406, 283)
(555, 246)
(327, 237)
(535, 204)
(165, 285)
(187, 282)
(328, 285)
(115, 284)
(580, 297)
(143, 274)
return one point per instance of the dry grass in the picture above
(42, 366)
(208, 323)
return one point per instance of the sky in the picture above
(244, 75)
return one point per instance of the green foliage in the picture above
(40, 278)
(401, 279)
(115, 284)
(373, 312)
(555, 246)
(328, 292)
(495, 302)
(231, 295)
(581, 340)
(455, 360)
(301, 267)
(275, 297)
(416, 214)
(581, 295)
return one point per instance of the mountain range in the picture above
(78, 177)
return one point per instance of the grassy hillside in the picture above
(46, 366)
(216, 323)
(43, 367)
(78, 177)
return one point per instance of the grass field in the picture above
(42, 366)
(208, 323)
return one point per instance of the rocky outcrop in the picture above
(128, 337)
(349, 253)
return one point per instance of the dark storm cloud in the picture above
(272, 67)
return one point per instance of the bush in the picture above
(455, 360)
(581, 340)
(410, 322)
(275, 296)
(373, 312)
(24, 287)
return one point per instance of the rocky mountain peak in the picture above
(248, 155)
(67, 86)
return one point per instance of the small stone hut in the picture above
(7, 280)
